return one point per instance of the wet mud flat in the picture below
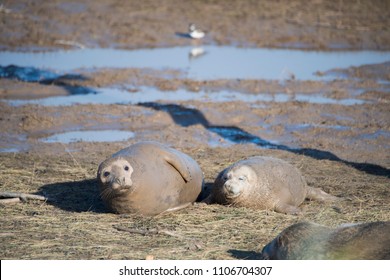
(59, 122)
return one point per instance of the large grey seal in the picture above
(305, 241)
(149, 178)
(264, 183)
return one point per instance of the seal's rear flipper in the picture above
(320, 195)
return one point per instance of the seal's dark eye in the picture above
(106, 174)
(126, 168)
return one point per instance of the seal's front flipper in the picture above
(180, 164)
(176, 208)
(288, 209)
(209, 199)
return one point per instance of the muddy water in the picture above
(196, 63)
(109, 96)
(90, 136)
(202, 63)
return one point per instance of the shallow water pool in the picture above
(211, 62)
(89, 136)
(109, 96)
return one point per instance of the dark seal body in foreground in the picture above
(264, 183)
(149, 178)
(309, 241)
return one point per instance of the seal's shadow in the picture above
(76, 196)
(245, 255)
(45, 77)
(190, 116)
(206, 190)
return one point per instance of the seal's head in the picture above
(114, 176)
(237, 180)
(275, 250)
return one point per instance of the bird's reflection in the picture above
(196, 52)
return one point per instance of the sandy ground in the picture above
(342, 149)
(134, 24)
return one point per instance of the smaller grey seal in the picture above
(264, 183)
(149, 178)
(309, 241)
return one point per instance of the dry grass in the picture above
(75, 225)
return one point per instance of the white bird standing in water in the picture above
(195, 33)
